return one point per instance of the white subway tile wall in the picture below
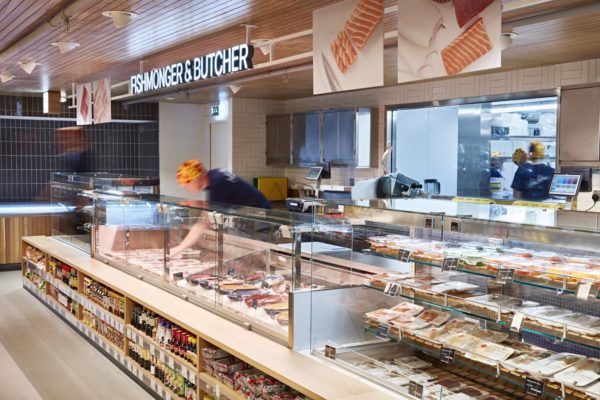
(249, 115)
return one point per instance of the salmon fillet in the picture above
(361, 24)
(343, 52)
(467, 48)
(466, 10)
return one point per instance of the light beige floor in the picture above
(43, 358)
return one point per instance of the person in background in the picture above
(222, 186)
(533, 178)
(496, 177)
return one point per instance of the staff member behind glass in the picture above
(532, 179)
(222, 187)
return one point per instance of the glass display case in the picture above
(433, 305)
(462, 306)
(239, 262)
(74, 191)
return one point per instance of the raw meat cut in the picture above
(466, 10)
(467, 48)
(361, 24)
(343, 52)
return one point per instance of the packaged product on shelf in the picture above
(527, 361)
(451, 328)
(555, 363)
(584, 373)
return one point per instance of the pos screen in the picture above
(564, 185)
(314, 173)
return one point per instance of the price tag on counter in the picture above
(330, 351)
(586, 291)
(505, 276)
(395, 290)
(388, 286)
(450, 264)
(447, 355)
(403, 255)
(517, 322)
(382, 332)
(415, 389)
(534, 387)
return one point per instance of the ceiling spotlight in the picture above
(27, 66)
(63, 96)
(506, 39)
(263, 44)
(234, 88)
(120, 18)
(63, 47)
(6, 77)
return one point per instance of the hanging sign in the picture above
(218, 63)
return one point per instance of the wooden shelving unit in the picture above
(299, 371)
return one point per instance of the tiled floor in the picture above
(42, 358)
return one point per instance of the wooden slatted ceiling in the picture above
(167, 31)
(18, 16)
(107, 51)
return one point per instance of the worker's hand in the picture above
(174, 252)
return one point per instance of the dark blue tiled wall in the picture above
(31, 149)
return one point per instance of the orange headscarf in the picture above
(188, 171)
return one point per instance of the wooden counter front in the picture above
(302, 372)
(12, 229)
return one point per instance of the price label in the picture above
(450, 264)
(415, 389)
(394, 290)
(534, 387)
(388, 286)
(403, 255)
(505, 276)
(517, 322)
(447, 355)
(382, 332)
(587, 291)
(330, 351)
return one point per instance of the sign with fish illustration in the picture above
(348, 46)
(443, 37)
(83, 93)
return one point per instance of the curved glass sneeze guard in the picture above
(241, 262)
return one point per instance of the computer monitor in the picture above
(314, 173)
(565, 185)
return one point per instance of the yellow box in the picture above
(274, 189)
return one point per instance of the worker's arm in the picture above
(193, 237)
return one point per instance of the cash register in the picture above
(315, 174)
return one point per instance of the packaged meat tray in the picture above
(584, 373)
(412, 362)
(489, 335)
(527, 361)
(443, 333)
(456, 286)
(382, 316)
(555, 363)
(547, 315)
(407, 308)
(490, 353)
(213, 353)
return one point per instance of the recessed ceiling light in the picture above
(170, 98)
(120, 18)
(6, 77)
(63, 47)
(28, 66)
